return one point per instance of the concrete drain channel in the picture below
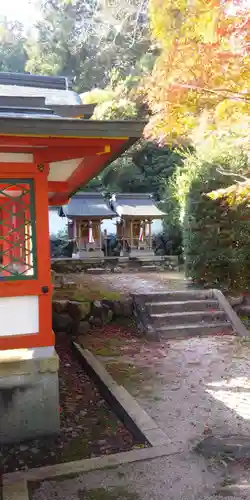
(134, 417)
(89, 426)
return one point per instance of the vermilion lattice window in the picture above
(17, 230)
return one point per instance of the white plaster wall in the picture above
(16, 158)
(62, 170)
(19, 315)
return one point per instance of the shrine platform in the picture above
(115, 265)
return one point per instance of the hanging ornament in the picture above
(141, 235)
(91, 238)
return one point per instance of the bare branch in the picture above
(233, 174)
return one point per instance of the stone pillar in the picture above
(29, 397)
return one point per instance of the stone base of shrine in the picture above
(86, 254)
(29, 394)
(141, 254)
(124, 253)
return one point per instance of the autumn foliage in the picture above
(201, 79)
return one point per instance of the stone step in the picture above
(193, 330)
(186, 318)
(143, 258)
(174, 295)
(148, 269)
(96, 270)
(181, 305)
(151, 262)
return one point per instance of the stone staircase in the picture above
(185, 313)
(154, 263)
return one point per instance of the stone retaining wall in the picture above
(77, 318)
(114, 265)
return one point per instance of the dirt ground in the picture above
(134, 282)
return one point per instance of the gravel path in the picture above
(193, 388)
(204, 389)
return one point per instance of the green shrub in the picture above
(172, 229)
(216, 237)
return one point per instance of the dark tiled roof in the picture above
(52, 96)
(29, 80)
(25, 96)
(136, 205)
(30, 125)
(74, 111)
(27, 112)
(28, 102)
(88, 205)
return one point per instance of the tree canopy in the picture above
(200, 81)
(144, 169)
(13, 56)
(87, 40)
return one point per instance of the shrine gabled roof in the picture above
(41, 124)
(30, 80)
(31, 126)
(51, 96)
(88, 204)
(135, 205)
(23, 90)
(64, 103)
(75, 150)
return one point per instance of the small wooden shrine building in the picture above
(136, 213)
(86, 211)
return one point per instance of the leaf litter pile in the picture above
(88, 426)
(121, 340)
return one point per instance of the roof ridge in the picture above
(90, 194)
(30, 80)
(133, 195)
